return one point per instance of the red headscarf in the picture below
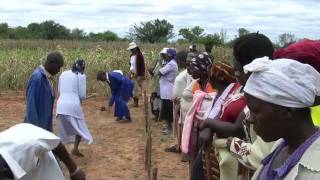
(304, 51)
(223, 72)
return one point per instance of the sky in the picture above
(270, 17)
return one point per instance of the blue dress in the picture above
(40, 99)
(121, 92)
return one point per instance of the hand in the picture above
(205, 136)
(202, 125)
(79, 175)
(229, 141)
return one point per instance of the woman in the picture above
(307, 52)
(229, 122)
(279, 94)
(155, 100)
(137, 70)
(203, 95)
(251, 154)
(70, 117)
(180, 83)
(121, 92)
(167, 75)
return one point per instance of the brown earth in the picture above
(118, 148)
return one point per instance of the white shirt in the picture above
(133, 61)
(27, 150)
(180, 83)
(72, 88)
(168, 75)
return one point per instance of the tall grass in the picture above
(18, 59)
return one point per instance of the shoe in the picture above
(128, 119)
(166, 132)
(172, 149)
(119, 119)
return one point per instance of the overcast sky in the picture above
(271, 17)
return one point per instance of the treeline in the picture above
(51, 30)
(153, 31)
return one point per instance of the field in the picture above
(118, 149)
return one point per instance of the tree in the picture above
(51, 30)
(4, 30)
(211, 40)
(77, 34)
(242, 32)
(152, 31)
(105, 36)
(193, 35)
(286, 39)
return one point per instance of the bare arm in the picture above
(226, 129)
(75, 173)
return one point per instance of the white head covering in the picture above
(132, 45)
(23, 145)
(284, 82)
(163, 51)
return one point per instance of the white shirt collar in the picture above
(46, 72)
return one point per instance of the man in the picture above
(137, 70)
(121, 92)
(27, 153)
(208, 51)
(40, 92)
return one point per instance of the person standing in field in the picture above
(167, 75)
(121, 92)
(70, 117)
(40, 92)
(155, 100)
(137, 71)
(40, 99)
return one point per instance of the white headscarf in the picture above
(284, 82)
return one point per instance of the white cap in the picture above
(132, 45)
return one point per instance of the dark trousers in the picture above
(167, 111)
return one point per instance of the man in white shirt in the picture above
(27, 154)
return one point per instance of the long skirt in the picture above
(137, 89)
(70, 126)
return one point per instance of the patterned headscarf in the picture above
(78, 66)
(201, 63)
(223, 72)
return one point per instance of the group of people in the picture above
(257, 118)
(30, 150)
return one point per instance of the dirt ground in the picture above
(118, 148)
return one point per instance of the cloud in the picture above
(272, 17)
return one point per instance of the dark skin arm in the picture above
(225, 129)
(317, 101)
(61, 152)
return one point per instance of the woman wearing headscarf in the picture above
(279, 94)
(70, 116)
(252, 152)
(155, 100)
(180, 83)
(229, 122)
(307, 52)
(167, 75)
(203, 95)
(137, 70)
(221, 76)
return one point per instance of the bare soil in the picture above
(118, 148)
